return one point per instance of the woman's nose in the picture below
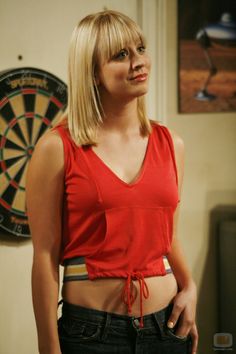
(137, 62)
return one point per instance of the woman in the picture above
(109, 209)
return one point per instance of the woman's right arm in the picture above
(44, 200)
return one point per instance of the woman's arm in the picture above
(185, 301)
(44, 196)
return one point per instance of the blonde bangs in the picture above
(115, 33)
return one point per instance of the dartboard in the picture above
(31, 101)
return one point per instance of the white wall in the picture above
(40, 32)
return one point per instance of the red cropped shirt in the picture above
(116, 229)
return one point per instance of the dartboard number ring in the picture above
(31, 102)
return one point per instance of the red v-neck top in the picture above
(121, 229)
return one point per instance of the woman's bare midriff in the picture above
(105, 294)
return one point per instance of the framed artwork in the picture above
(206, 56)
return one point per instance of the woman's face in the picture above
(124, 76)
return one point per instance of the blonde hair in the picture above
(97, 37)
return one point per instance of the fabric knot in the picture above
(128, 295)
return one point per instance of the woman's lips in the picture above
(141, 77)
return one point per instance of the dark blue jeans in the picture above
(87, 331)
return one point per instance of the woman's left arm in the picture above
(184, 309)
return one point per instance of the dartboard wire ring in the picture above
(14, 168)
(27, 115)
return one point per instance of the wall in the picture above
(40, 32)
(210, 180)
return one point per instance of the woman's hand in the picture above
(184, 311)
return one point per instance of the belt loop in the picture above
(106, 325)
(159, 323)
(161, 318)
(59, 303)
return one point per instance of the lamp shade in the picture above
(223, 32)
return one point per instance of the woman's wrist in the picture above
(187, 284)
(50, 351)
(50, 348)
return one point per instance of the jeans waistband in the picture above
(98, 316)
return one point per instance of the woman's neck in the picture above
(121, 118)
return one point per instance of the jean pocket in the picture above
(171, 334)
(77, 330)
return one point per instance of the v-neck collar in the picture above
(141, 170)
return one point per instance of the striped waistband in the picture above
(76, 269)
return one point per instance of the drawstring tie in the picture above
(128, 294)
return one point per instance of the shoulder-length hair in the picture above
(97, 37)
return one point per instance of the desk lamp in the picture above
(223, 33)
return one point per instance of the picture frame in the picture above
(206, 56)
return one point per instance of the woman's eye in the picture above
(141, 49)
(122, 54)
